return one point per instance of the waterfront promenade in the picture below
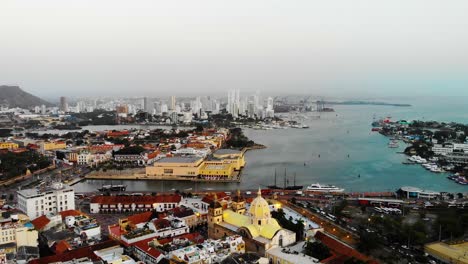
(139, 174)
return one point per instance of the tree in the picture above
(317, 250)
(293, 200)
(340, 207)
(368, 241)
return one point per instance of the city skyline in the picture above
(160, 48)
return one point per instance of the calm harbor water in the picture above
(320, 153)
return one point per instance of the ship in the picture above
(113, 188)
(316, 187)
(286, 186)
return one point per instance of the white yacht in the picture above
(316, 187)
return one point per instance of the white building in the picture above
(49, 199)
(211, 251)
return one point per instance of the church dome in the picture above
(259, 208)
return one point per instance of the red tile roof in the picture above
(40, 222)
(140, 218)
(143, 246)
(194, 237)
(115, 232)
(146, 199)
(182, 212)
(61, 247)
(220, 195)
(339, 249)
(75, 254)
(66, 213)
(118, 133)
(161, 223)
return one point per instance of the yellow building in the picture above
(235, 157)
(216, 169)
(259, 230)
(18, 234)
(8, 145)
(175, 166)
(448, 253)
(52, 145)
(220, 166)
(26, 237)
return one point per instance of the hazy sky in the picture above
(349, 47)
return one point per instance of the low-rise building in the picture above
(210, 251)
(119, 204)
(187, 166)
(52, 145)
(8, 145)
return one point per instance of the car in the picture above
(248, 192)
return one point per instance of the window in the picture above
(168, 171)
(259, 222)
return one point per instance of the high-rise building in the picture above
(270, 103)
(63, 104)
(233, 103)
(145, 104)
(173, 103)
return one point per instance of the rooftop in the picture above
(227, 151)
(292, 254)
(146, 199)
(449, 252)
(179, 159)
(38, 191)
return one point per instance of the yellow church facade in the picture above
(259, 230)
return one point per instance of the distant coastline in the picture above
(366, 103)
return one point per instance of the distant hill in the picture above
(14, 96)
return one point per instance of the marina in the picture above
(320, 154)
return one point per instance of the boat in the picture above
(286, 187)
(304, 126)
(316, 187)
(113, 188)
(393, 144)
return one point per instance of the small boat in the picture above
(393, 144)
(113, 188)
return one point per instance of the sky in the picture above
(187, 47)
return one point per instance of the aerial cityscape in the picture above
(161, 133)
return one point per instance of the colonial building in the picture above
(123, 204)
(259, 230)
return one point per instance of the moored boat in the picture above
(317, 187)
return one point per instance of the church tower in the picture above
(259, 211)
(215, 216)
(238, 203)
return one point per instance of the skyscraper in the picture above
(173, 103)
(270, 103)
(63, 104)
(233, 102)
